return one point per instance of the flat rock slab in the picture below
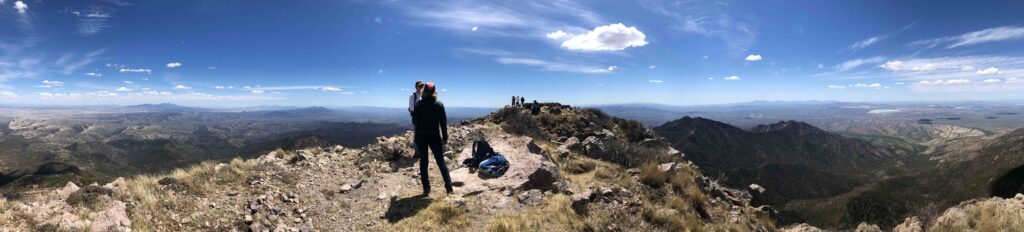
(528, 167)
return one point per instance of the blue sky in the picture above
(369, 53)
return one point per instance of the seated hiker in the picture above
(481, 151)
(431, 125)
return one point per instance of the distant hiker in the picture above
(522, 101)
(513, 101)
(431, 125)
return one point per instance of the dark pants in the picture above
(435, 146)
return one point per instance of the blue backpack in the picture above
(494, 166)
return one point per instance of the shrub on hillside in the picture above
(653, 176)
(630, 154)
(89, 196)
(521, 124)
(633, 131)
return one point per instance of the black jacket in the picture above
(429, 118)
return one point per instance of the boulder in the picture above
(594, 145)
(802, 227)
(533, 197)
(570, 144)
(865, 227)
(528, 168)
(580, 201)
(114, 218)
(911, 224)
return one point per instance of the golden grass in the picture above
(153, 205)
(983, 216)
(579, 166)
(439, 216)
(556, 215)
(652, 176)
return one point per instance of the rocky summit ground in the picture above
(571, 170)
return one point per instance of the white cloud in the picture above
(853, 64)
(956, 82)
(865, 43)
(474, 28)
(257, 91)
(219, 87)
(995, 34)
(992, 81)
(836, 86)
(128, 82)
(893, 65)
(988, 71)
(655, 81)
(21, 7)
(652, 66)
(7, 93)
(612, 37)
(711, 78)
(93, 74)
(731, 78)
(211, 68)
(864, 85)
(753, 57)
(331, 88)
(123, 89)
(612, 68)
(137, 70)
(557, 35)
(173, 64)
(1011, 80)
(967, 68)
(182, 87)
(52, 83)
(554, 66)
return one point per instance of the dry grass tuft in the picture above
(579, 166)
(653, 176)
(989, 215)
(557, 215)
(439, 216)
(152, 202)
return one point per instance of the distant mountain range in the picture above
(794, 160)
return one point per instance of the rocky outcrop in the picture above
(528, 168)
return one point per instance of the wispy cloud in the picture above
(989, 35)
(174, 64)
(497, 18)
(136, 70)
(711, 18)
(855, 63)
(731, 78)
(865, 43)
(555, 66)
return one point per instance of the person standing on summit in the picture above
(431, 132)
(415, 96)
